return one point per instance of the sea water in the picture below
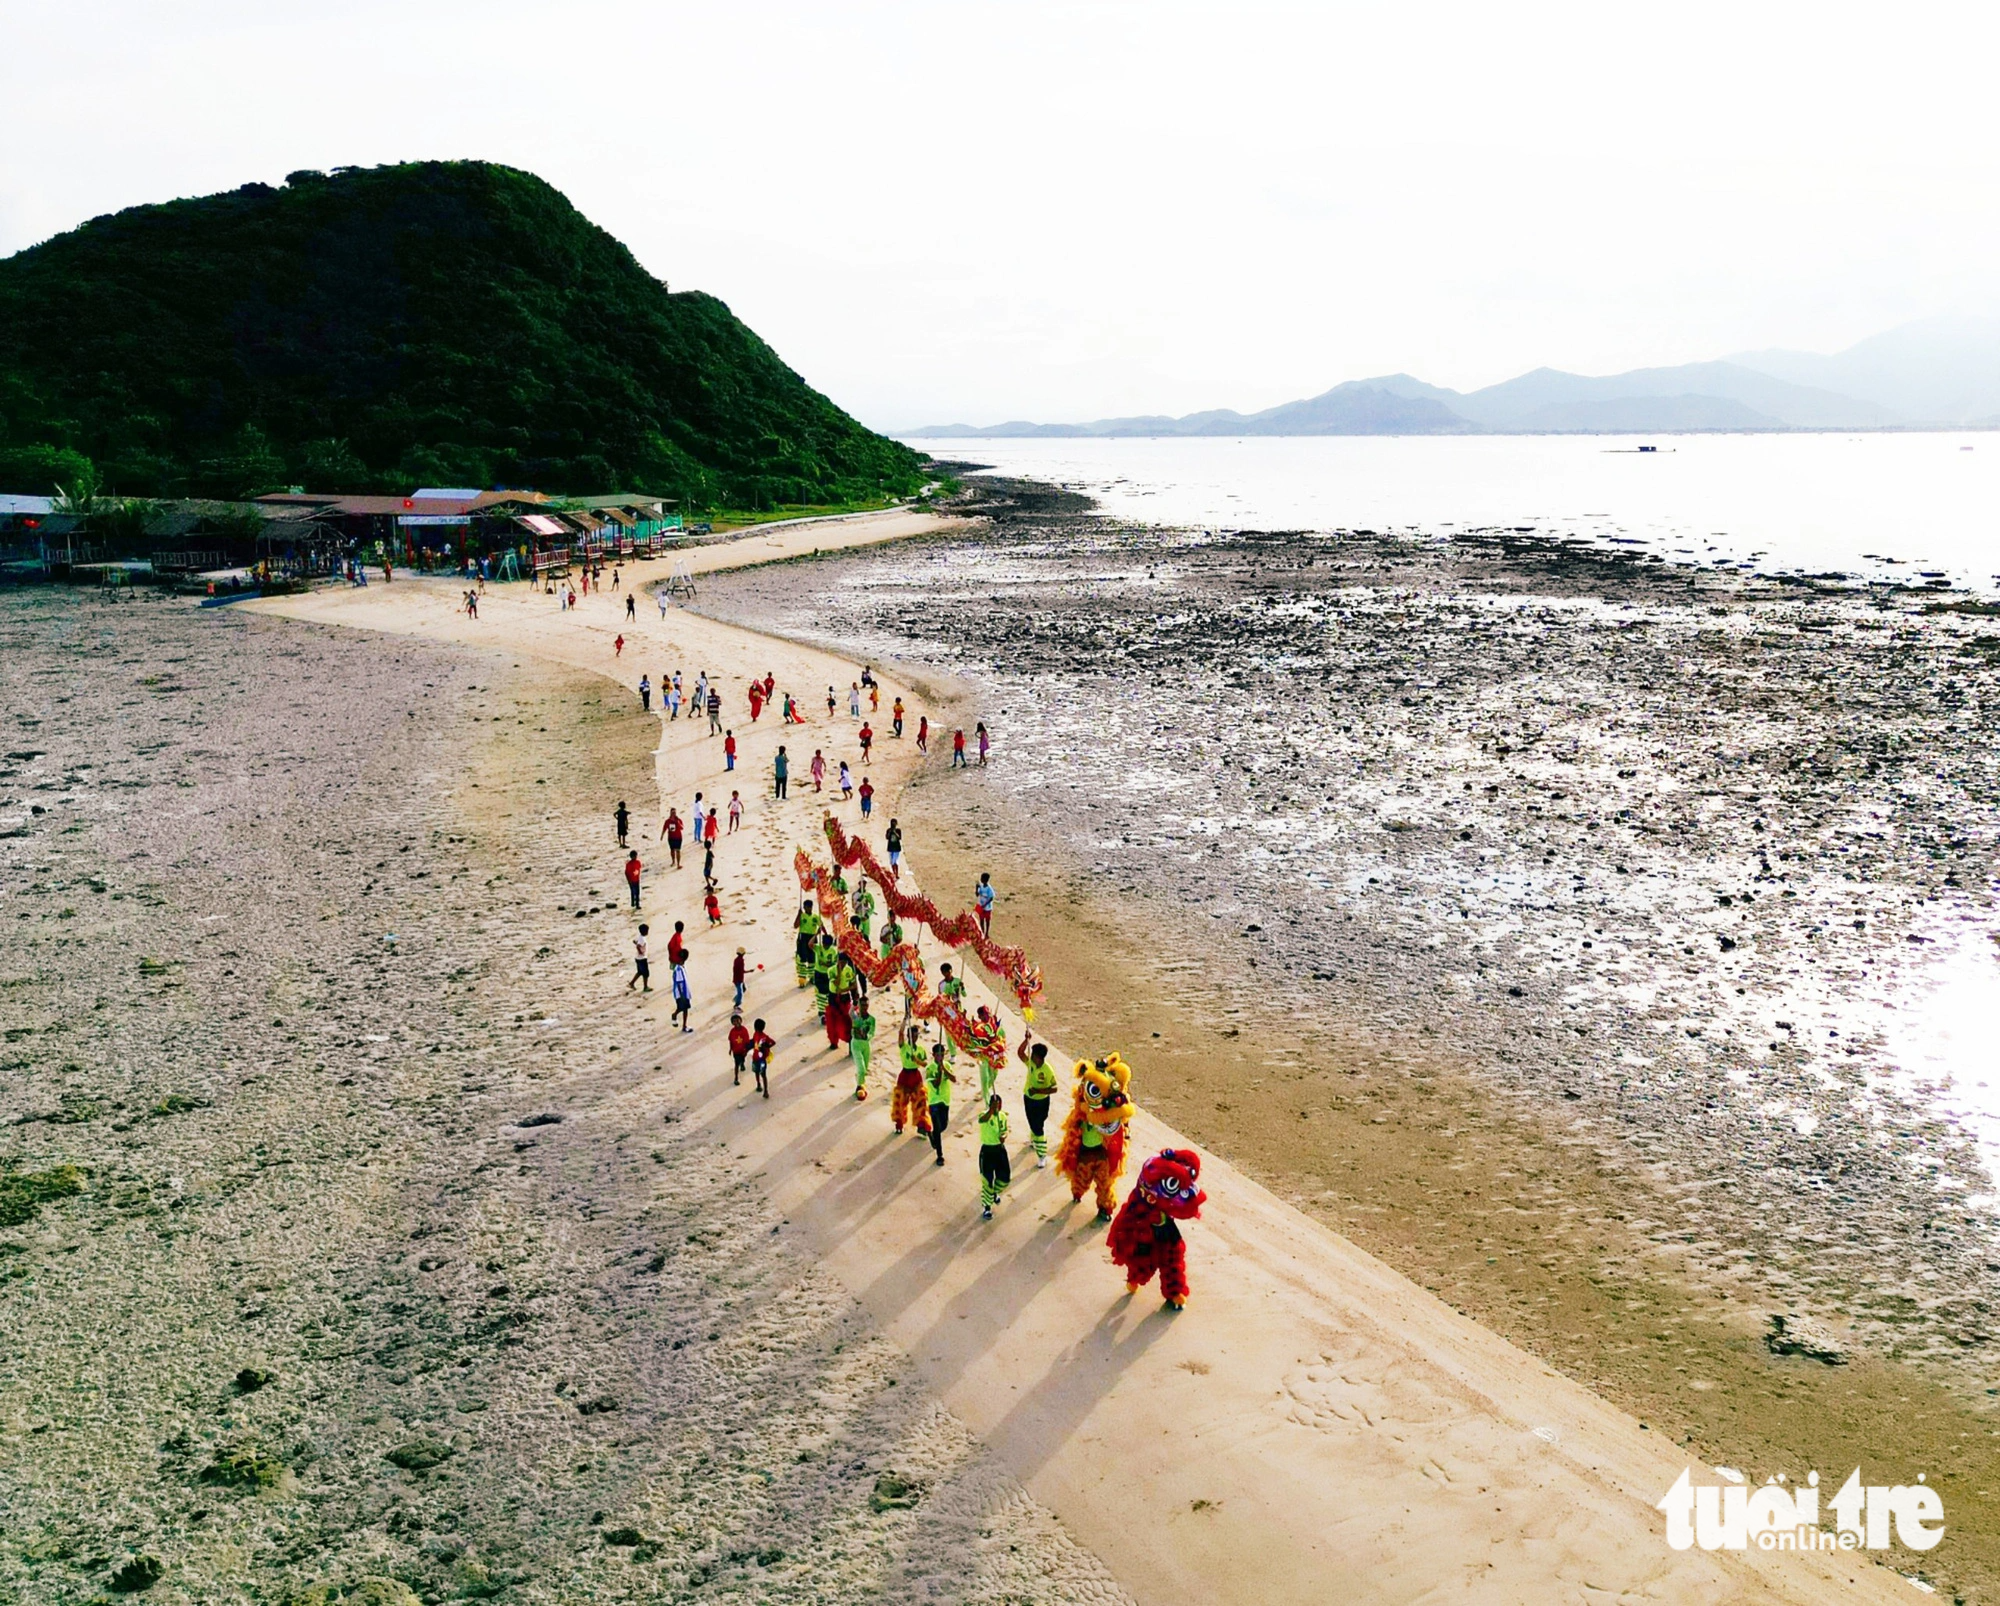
(1875, 506)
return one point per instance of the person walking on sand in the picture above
(708, 860)
(714, 828)
(892, 840)
(631, 602)
(641, 972)
(874, 697)
(713, 905)
(982, 898)
(770, 684)
(739, 1046)
(677, 948)
(861, 1047)
(854, 700)
(622, 818)
(985, 742)
(632, 872)
(762, 1046)
(839, 1020)
(683, 999)
(729, 750)
(645, 695)
(906, 1101)
(661, 598)
(896, 717)
(958, 750)
(867, 739)
(937, 1094)
(825, 961)
(735, 811)
(867, 797)
(818, 768)
(739, 975)
(1037, 1088)
(846, 783)
(781, 769)
(756, 701)
(924, 734)
(714, 706)
(832, 702)
(806, 923)
(994, 1170)
(700, 817)
(618, 646)
(670, 828)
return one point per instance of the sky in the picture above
(968, 212)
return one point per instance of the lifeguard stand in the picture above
(681, 582)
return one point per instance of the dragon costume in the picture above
(1092, 1151)
(1146, 1237)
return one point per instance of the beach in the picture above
(468, 1271)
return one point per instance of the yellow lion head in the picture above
(1101, 1090)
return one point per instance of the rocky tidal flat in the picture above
(1698, 863)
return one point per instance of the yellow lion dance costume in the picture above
(1092, 1151)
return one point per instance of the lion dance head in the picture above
(1103, 1091)
(1170, 1181)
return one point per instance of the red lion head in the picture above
(1170, 1181)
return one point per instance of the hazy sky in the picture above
(963, 211)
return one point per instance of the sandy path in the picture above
(1314, 1427)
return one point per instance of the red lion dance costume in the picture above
(1092, 1151)
(1146, 1237)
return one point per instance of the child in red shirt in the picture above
(761, 1047)
(714, 907)
(739, 1047)
(729, 750)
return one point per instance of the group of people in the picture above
(706, 697)
(926, 1078)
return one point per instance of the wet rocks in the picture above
(1794, 1334)
(419, 1455)
(137, 1574)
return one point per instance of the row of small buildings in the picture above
(301, 533)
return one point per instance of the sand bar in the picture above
(1314, 1427)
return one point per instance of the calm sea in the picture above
(1875, 507)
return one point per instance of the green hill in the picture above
(436, 323)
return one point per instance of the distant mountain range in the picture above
(1940, 371)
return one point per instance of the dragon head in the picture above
(1101, 1090)
(1171, 1182)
